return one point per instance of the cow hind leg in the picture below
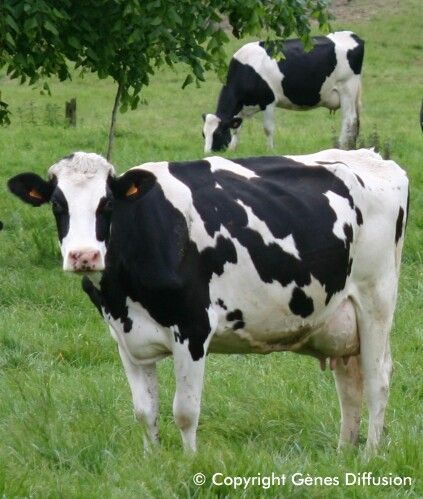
(349, 385)
(269, 124)
(142, 380)
(350, 104)
(375, 320)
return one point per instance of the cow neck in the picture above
(228, 105)
(148, 237)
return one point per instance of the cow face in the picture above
(217, 132)
(76, 189)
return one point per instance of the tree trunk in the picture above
(113, 122)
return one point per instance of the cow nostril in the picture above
(87, 259)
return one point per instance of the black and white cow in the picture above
(294, 253)
(76, 188)
(329, 76)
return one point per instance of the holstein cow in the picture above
(295, 253)
(260, 255)
(76, 189)
(329, 76)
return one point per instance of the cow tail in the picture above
(358, 104)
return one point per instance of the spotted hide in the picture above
(260, 80)
(294, 253)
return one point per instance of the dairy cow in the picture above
(329, 75)
(272, 254)
(76, 190)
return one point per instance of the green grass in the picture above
(66, 422)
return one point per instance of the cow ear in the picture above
(31, 188)
(131, 185)
(204, 115)
(236, 122)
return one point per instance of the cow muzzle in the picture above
(84, 260)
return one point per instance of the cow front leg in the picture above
(142, 380)
(189, 376)
(235, 138)
(269, 124)
(349, 385)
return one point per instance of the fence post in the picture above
(70, 112)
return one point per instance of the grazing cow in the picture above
(329, 76)
(76, 189)
(295, 253)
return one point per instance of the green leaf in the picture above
(12, 23)
(174, 16)
(50, 27)
(74, 42)
(10, 39)
(30, 24)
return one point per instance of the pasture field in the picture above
(66, 424)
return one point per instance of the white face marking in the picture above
(210, 125)
(82, 179)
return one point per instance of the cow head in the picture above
(217, 132)
(76, 189)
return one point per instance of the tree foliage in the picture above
(129, 39)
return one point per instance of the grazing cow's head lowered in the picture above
(217, 132)
(76, 189)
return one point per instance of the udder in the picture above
(331, 99)
(337, 338)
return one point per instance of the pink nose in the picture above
(84, 260)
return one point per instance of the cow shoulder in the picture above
(248, 76)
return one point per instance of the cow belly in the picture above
(337, 336)
(328, 97)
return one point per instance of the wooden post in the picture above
(70, 112)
